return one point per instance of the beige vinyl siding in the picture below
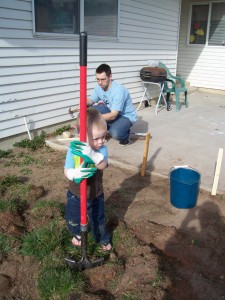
(39, 77)
(202, 66)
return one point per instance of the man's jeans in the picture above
(96, 215)
(118, 128)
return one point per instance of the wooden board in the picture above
(145, 156)
(217, 172)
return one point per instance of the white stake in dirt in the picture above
(25, 121)
(217, 172)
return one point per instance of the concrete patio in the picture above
(191, 137)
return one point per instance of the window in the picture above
(101, 17)
(69, 17)
(57, 16)
(199, 24)
(217, 25)
(207, 25)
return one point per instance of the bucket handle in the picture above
(184, 166)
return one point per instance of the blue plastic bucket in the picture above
(184, 187)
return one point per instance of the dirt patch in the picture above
(174, 254)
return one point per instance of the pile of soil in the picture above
(176, 254)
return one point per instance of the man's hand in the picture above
(80, 173)
(86, 152)
(100, 102)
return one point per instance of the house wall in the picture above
(202, 66)
(39, 77)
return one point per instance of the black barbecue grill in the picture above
(153, 74)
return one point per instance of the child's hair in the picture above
(94, 118)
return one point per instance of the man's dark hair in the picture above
(104, 68)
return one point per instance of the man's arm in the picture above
(111, 115)
(89, 102)
(108, 116)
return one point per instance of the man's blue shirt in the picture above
(116, 98)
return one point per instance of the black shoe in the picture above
(124, 143)
(168, 106)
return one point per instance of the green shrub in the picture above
(59, 131)
(5, 154)
(36, 143)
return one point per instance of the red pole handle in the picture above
(83, 118)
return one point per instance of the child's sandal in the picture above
(106, 247)
(76, 241)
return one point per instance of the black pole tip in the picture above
(83, 49)
(83, 33)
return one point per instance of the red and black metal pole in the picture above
(84, 263)
(83, 118)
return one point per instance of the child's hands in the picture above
(80, 173)
(86, 152)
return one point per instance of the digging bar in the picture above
(84, 263)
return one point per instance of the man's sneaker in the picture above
(124, 143)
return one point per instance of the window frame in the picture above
(210, 3)
(73, 36)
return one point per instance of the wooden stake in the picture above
(217, 172)
(145, 156)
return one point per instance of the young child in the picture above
(95, 150)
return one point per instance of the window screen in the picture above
(57, 16)
(217, 24)
(199, 18)
(101, 17)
